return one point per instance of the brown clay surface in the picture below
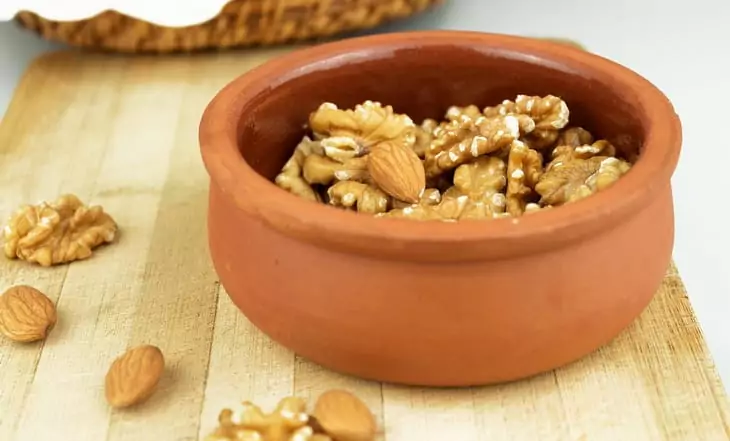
(432, 303)
(122, 133)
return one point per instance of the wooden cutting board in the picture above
(122, 132)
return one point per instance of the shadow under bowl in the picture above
(432, 303)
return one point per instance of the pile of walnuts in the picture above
(514, 158)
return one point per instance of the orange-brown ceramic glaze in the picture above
(431, 303)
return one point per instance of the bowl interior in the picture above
(423, 81)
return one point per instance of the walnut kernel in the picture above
(249, 422)
(337, 415)
(579, 178)
(424, 136)
(467, 138)
(291, 176)
(324, 171)
(514, 158)
(548, 114)
(524, 169)
(362, 197)
(59, 232)
(345, 134)
(574, 137)
(476, 194)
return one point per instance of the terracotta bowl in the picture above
(430, 303)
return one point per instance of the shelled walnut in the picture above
(323, 170)
(514, 158)
(343, 145)
(338, 416)
(359, 196)
(577, 143)
(466, 138)
(524, 169)
(477, 193)
(547, 114)
(424, 136)
(249, 422)
(580, 178)
(292, 177)
(345, 134)
(59, 232)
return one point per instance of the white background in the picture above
(682, 46)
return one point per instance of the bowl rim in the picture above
(404, 239)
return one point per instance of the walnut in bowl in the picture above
(515, 158)
(439, 303)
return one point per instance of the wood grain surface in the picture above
(122, 132)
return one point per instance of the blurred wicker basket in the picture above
(240, 23)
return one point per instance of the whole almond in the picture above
(133, 376)
(344, 417)
(26, 314)
(397, 170)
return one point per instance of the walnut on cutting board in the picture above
(288, 422)
(57, 232)
(338, 415)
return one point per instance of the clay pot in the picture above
(429, 303)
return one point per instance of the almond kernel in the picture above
(344, 417)
(133, 377)
(26, 314)
(397, 170)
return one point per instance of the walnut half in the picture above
(56, 233)
(579, 178)
(288, 422)
(349, 133)
(359, 196)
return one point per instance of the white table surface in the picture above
(681, 46)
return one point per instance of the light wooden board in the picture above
(122, 132)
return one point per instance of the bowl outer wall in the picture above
(418, 320)
(441, 324)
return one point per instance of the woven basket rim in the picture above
(167, 13)
(233, 26)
